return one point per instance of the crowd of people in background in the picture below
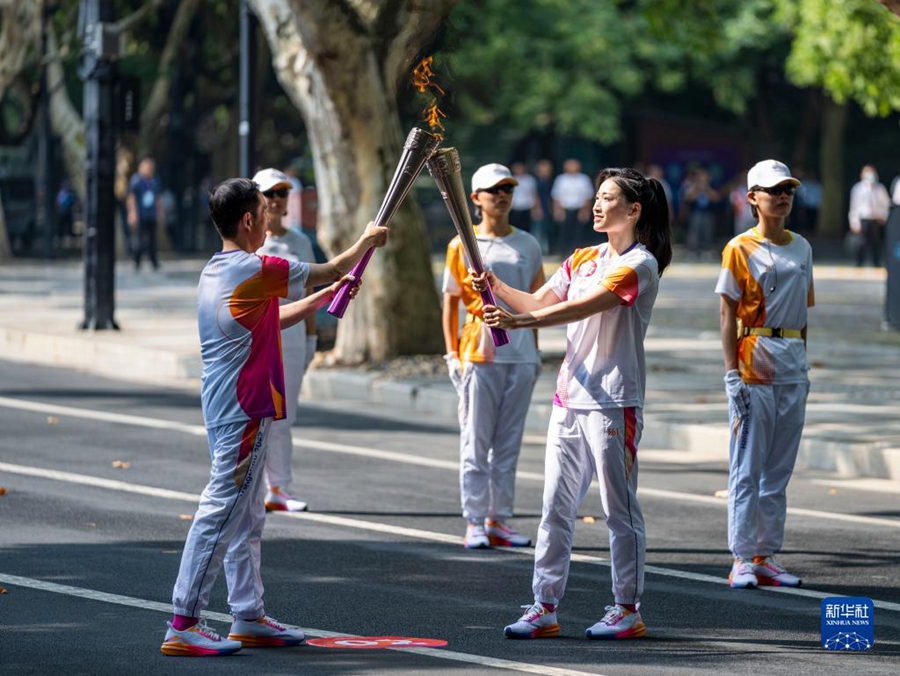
(705, 209)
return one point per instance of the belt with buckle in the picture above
(772, 332)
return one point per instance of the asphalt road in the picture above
(89, 551)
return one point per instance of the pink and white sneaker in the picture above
(537, 622)
(618, 623)
(264, 632)
(501, 535)
(475, 537)
(770, 573)
(197, 641)
(742, 575)
(279, 501)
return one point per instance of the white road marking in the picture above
(144, 604)
(361, 451)
(375, 527)
(875, 485)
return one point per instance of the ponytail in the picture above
(652, 229)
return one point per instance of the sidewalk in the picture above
(853, 415)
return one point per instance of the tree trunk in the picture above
(5, 249)
(833, 214)
(341, 68)
(65, 120)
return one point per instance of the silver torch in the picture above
(445, 168)
(418, 148)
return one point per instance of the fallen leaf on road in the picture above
(3, 590)
(722, 493)
(2, 490)
(52, 420)
(121, 464)
(832, 491)
(185, 517)
(589, 519)
(91, 524)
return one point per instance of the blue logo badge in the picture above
(848, 623)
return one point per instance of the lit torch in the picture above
(447, 172)
(418, 148)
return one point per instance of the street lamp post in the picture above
(100, 48)
(245, 127)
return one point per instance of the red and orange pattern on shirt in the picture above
(605, 365)
(773, 287)
(240, 334)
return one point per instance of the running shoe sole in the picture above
(770, 582)
(497, 541)
(179, 649)
(249, 641)
(637, 631)
(549, 631)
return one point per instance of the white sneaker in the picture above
(537, 622)
(742, 575)
(501, 535)
(279, 501)
(618, 622)
(264, 632)
(197, 641)
(770, 573)
(476, 538)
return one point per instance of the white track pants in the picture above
(761, 459)
(581, 445)
(278, 455)
(228, 524)
(494, 401)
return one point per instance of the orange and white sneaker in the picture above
(279, 501)
(264, 632)
(618, 623)
(742, 575)
(501, 535)
(197, 641)
(537, 622)
(770, 573)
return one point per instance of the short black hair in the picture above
(229, 201)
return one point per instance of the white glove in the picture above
(454, 368)
(312, 342)
(738, 394)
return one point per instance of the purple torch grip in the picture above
(418, 148)
(500, 336)
(342, 298)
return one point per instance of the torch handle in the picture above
(342, 298)
(500, 336)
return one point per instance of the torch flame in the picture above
(421, 80)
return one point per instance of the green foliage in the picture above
(572, 65)
(851, 48)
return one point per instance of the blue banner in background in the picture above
(848, 623)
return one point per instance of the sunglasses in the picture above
(281, 192)
(506, 189)
(783, 189)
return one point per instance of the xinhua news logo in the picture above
(848, 623)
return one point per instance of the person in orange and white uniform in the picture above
(494, 384)
(605, 295)
(765, 286)
(298, 343)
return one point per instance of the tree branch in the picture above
(413, 27)
(893, 5)
(158, 102)
(124, 24)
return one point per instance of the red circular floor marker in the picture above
(376, 642)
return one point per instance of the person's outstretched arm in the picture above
(520, 301)
(290, 314)
(323, 273)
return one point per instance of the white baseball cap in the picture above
(269, 179)
(769, 173)
(490, 175)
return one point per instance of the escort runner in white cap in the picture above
(765, 286)
(298, 343)
(494, 384)
(605, 295)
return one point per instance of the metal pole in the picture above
(248, 54)
(100, 150)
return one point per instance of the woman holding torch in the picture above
(494, 384)
(605, 295)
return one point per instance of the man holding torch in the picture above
(494, 384)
